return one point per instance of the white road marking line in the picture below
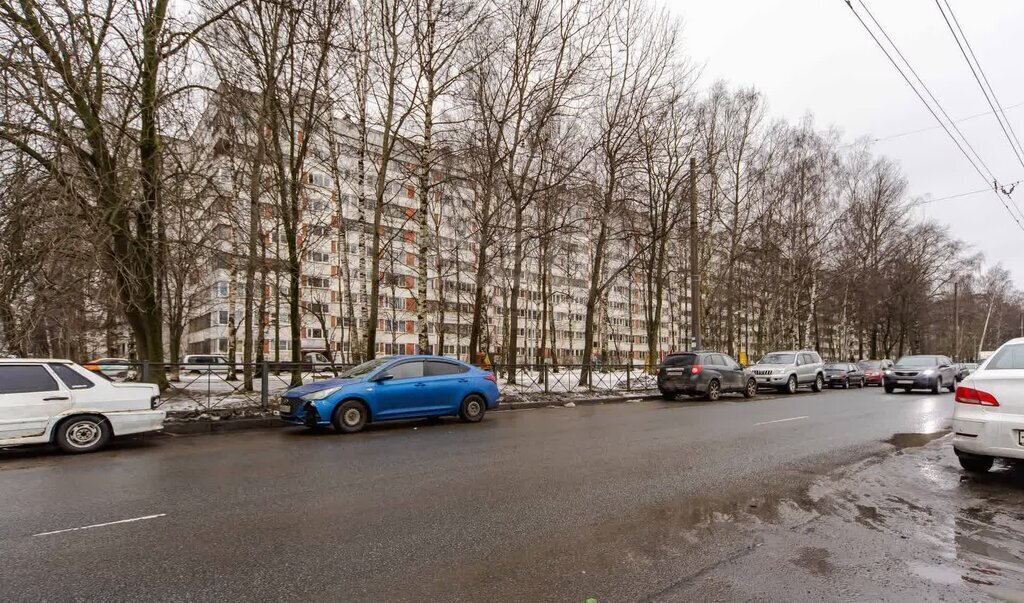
(100, 525)
(782, 420)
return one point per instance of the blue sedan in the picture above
(404, 387)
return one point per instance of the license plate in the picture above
(285, 409)
(905, 382)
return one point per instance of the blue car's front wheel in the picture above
(473, 409)
(350, 416)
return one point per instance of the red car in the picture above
(873, 370)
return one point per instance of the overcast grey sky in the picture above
(814, 56)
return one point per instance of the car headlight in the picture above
(888, 372)
(320, 395)
(928, 372)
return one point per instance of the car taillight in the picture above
(696, 369)
(969, 395)
(491, 378)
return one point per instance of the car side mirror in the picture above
(383, 377)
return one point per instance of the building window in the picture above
(222, 288)
(318, 256)
(314, 333)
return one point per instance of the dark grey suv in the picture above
(921, 372)
(708, 374)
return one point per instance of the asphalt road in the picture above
(556, 504)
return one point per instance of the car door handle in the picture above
(55, 398)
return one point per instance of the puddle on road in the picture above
(815, 560)
(914, 440)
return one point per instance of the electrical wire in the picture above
(930, 128)
(957, 196)
(931, 110)
(986, 88)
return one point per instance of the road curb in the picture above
(582, 402)
(199, 427)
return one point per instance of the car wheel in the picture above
(472, 409)
(819, 383)
(714, 390)
(976, 464)
(791, 385)
(83, 434)
(350, 416)
(889, 389)
(751, 390)
(669, 395)
(861, 384)
(952, 387)
(937, 386)
(846, 384)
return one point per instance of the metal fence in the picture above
(204, 388)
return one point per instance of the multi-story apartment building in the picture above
(334, 259)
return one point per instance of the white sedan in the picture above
(988, 418)
(58, 401)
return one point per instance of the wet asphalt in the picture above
(619, 502)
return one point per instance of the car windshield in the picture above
(918, 361)
(832, 366)
(778, 358)
(365, 368)
(679, 360)
(871, 364)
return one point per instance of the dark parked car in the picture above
(844, 374)
(708, 374)
(921, 372)
(874, 369)
(965, 368)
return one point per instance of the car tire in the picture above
(472, 409)
(889, 389)
(976, 464)
(714, 390)
(819, 383)
(790, 387)
(350, 416)
(861, 384)
(846, 383)
(668, 396)
(937, 387)
(751, 389)
(78, 435)
(952, 387)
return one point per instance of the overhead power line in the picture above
(1009, 186)
(986, 87)
(930, 128)
(956, 141)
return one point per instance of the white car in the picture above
(204, 364)
(58, 401)
(988, 418)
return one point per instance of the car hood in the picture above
(315, 386)
(836, 371)
(899, 367)
(770, 366)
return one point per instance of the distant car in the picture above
(925, 371)
(844, 374)
(874, 370)
(786, 371)
(112, 368)
(708, 374)
(311, 362)
(965, 368)
(988, 418)
(404, 387)
(204, 363)
(60, 402)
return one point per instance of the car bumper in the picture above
(918, 382)
(682, 385)
(771, 380)
(873, 379)
(135, 421)
(985, 433)
(833, 381)
(296, 412)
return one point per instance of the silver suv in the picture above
(785, 371)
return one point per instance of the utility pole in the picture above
(694, 260)
(956, 321)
